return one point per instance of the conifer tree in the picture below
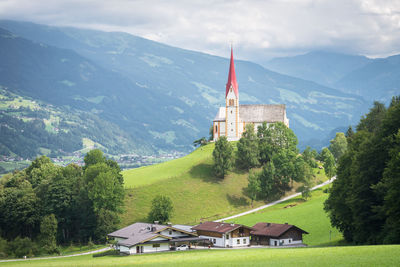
(223, 157)
(247, 153)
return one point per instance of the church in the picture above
(232, 119)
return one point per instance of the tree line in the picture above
(45, 205)
(274, 149)
(364, 199)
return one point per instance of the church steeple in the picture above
(232, 78)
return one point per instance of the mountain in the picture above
(322, 67)
(378, 80)
(161, 96)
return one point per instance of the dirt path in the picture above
(275, 202)
(65, 256)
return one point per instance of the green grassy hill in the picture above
(308, 215)
(194, 190)
(332, 256)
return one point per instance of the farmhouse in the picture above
(147, 237)
(224, 234)
(274, 234)
(232, 119)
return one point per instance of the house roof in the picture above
(273, 229)
(232, 78)
(218, 227)
(261, 113)
(138, 233)
(144, 232)
(256, 113)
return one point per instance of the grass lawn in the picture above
(193, 188)
(329, 256)
(308, 215)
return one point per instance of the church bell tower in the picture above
(232, 104)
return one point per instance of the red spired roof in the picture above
(232, 78)
(273, 229)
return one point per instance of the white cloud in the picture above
(258, 29)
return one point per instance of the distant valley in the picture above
(132, 95)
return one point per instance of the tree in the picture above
(223, 156)
(268, 181)
(274, 138)
(247, 153)
(200, 142)
(364, 199)
(104, 188)
(305, 191)
(161, 209)
(48, 232)
(211, 133)
(254, 187)
(309, 157)
(93, 157)
(329, 162)
(338, 145)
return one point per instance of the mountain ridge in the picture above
(174, 93)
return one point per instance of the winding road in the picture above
(275, 202)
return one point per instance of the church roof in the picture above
(256, 113)
(232, 78)
(261, 113)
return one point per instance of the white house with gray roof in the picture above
(152, 237)
(232, 119)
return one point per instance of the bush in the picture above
(20, 247)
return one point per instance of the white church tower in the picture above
(232, 123)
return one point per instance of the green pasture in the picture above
(193, 188)
(308, 215)
(174, 168)
(328, 256)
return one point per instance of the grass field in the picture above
(308, 215)
(193, 188)
(329, 256)
(174, 168)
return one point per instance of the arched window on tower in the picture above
(216, 128)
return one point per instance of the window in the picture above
(290, 241)
(214, 240)
(156, 245)
(170, 232)
(216, 128)
(227, 236)
(244, 241)
(238, 241)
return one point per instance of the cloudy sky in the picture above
(258, 29)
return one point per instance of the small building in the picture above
(153, 237)
(275, 234)
(224, 234)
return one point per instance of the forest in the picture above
(46, 205)
(364, 202)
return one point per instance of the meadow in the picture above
(308, 215)
(193, 188)
(388, 255)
